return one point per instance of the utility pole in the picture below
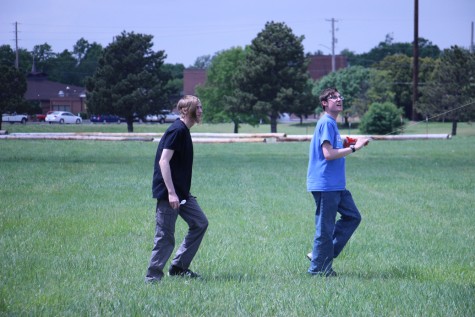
(415, 56)
(16, 46)
(472, 47)
(334, 40)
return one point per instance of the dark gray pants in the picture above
(164, 241)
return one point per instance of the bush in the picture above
(382, 118)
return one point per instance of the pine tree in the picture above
(129, 80)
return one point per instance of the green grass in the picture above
(77, 223)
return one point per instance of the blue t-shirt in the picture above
(323, 175)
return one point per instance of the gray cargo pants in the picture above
(164, 241)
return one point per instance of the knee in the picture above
(205, 224)
(202, 224)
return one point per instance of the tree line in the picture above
(259, 82)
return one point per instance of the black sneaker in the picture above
(331, 273)
(178, 271)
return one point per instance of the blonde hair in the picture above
(188, 104)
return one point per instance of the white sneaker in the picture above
(309, 256)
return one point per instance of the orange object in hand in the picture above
(349, 141)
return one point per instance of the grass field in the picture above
(77, 223)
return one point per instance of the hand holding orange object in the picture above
(349, 141)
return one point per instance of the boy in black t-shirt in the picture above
(171, 187)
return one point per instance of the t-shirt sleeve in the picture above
(172, 140)
(327, 134)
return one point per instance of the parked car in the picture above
(105, 118)
(164, 116)
(42, 117)
(62, 117)
(283, 118)
(14, 117)
(153, 118)
(167, 116)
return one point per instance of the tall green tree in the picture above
(203, 62)
(274, 78)
(8, 56)
(88, 61)
(43, 55)
(129, 80)
(399, 68)
(62, 68)
(70, 67)
(175, 84)
(80, 49)
(450, 95)
(12, 89)
(66, 67)
(219, 87)
(388, 47)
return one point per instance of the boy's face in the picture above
(334, 103)
(198, 113)
(195, 114)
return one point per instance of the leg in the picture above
(164, 240)
(347, 224)
(325, 215)
(197, 225)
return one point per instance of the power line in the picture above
(434, 116)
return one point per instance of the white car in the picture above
(62, 117)
(168, 117)
(12, 118)
(152, 118)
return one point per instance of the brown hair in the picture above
(327, 92)
(187, 104)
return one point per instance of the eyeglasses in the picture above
(333, 97)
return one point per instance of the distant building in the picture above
(319, 66)
(54, 96)
(193, 77)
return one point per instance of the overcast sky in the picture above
(187, 29)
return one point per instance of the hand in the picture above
(173, 200)
(360, 142)
(348, 141)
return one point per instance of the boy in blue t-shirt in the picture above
(327, 183)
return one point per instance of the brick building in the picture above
(321, 65)
(193, 77)
(54, 96)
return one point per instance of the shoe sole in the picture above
(185, 276)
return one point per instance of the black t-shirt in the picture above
(177, 138)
